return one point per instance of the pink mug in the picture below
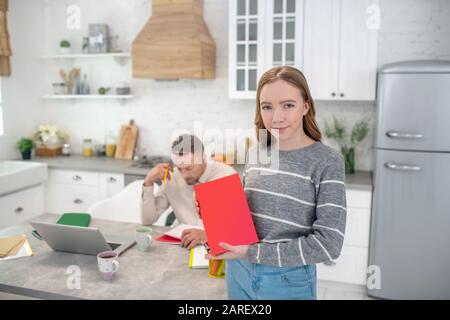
(107, 264)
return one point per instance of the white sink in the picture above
(16, 175)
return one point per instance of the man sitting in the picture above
(190, 168)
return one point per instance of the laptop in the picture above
(83, 240)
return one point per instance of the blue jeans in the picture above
(250, 281)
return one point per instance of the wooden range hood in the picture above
(175, 43)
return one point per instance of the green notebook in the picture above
(70, 219)
(75, 219)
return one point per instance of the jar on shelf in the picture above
(110, 145)
(66, 149)
(88, 149)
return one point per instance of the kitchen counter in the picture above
(161, 273)
(360, 180)
(100, 164)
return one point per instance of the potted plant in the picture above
(346, 142)
(64, 47)
(25, 146)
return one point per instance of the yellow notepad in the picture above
(197, 258)
(22, 249)
(8, 244)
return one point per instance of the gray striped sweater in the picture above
(298, 206)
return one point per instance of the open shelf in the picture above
(86, 96)
(88, 55)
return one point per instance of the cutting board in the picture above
(127, 141)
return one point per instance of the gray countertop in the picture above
(101, 164)
(361, 180)
(161, 273)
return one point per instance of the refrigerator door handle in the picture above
(398, 166)
(403, 135)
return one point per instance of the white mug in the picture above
(143, 238)
(107, 264)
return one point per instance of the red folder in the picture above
(225, 213)
(168, 239)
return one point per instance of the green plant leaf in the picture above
(64, 44)
(336, 132)
(25, 144)
(360, 131)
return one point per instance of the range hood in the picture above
(175, 43)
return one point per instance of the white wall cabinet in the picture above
(329, 40)
(351, 266)
(284, 33)
(262, 34)
(246, 39)
(77, 191)
(340, 49)
(21, 206)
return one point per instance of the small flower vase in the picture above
(349, 159)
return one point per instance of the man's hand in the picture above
(157, 174)
(235, 252)
(192, 237)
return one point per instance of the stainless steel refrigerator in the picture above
(410, 229)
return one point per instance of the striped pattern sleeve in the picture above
(326, 238)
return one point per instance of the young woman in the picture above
(299, 208)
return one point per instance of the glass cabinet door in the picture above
(284, 35)
(263, 34)
(246, 42)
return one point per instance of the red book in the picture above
(168, 239)
(225, 213)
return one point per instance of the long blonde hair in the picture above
(297, 79)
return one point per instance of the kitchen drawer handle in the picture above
(342, 95)
(330, 263)
(333, 94)
(76, 178)
(18, 210)
(112, 180)
(403, 135)
(397, 166)
(78, 201)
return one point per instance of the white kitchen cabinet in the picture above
(321, 45)
(284, 33)
(340, 49)
(262, 34)
(110, 184)
(246, 40)
(77, 191)
(331, 41)
(351, 266)
(21, 206)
